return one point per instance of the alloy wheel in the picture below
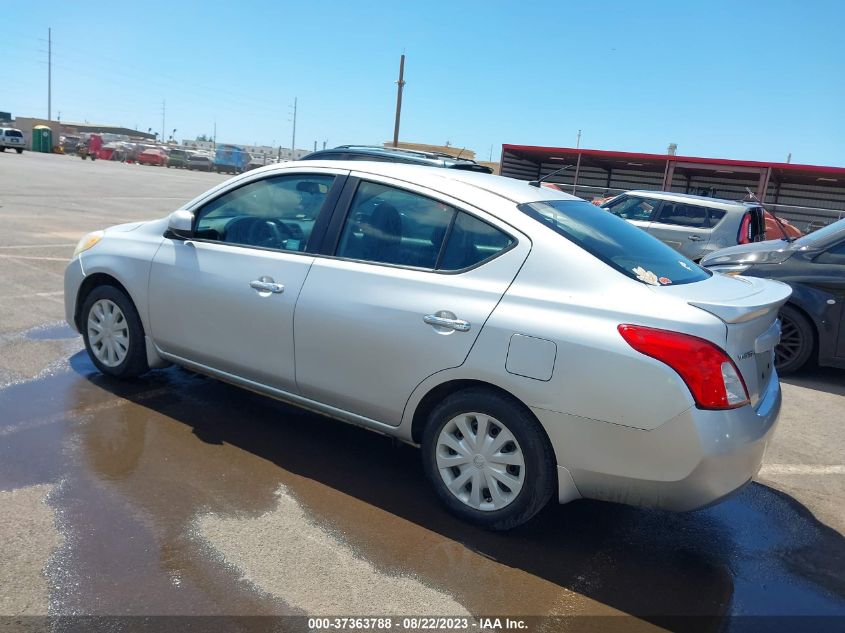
(791, 342)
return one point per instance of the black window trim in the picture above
(320, 223)
(687, 204)
(331, 239)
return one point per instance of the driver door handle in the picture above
(694, 238)
(458, 325)
(265, 285)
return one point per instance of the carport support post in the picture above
(668, 176)
(763, 184)
(577, 169)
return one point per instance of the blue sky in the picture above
(751, 80)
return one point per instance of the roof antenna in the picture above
(536, 183)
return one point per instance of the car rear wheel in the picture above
(797, 341)
(113, 334)
(488, 459)
(19, 150)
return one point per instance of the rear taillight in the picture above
(710, 374)
(746, 232)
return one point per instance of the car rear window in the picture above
(13, 133)
(616, 242)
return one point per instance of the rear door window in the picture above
(617, 243)
(633, 208)
(686, 215)
(392, 226)
(472, 241)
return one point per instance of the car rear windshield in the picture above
(13, 133)
(819, 236)
(616, 242)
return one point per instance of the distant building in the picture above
(62, 128)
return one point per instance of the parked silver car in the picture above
(693, 225)
(533, 344)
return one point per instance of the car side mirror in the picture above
(180, 225)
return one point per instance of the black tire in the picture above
(135, 362)
(19, 150)
(798, 340)
(539, 481)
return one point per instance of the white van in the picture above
(11, 138)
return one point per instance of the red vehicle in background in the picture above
(91, 147)
(780, 229)
(156, 157)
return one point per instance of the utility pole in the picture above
(578, 140)
(49, 74)
(163, 105)
(399, 86)
(293, 136)
(214, 138)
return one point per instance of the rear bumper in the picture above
(695, 459)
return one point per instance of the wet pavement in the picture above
(160, 484)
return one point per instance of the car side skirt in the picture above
(287, 397)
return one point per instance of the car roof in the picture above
(517, 191)
(419, 156)
(704, 201)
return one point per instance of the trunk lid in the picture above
(748, 306)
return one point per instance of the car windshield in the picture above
(617, 243)
(815, 238)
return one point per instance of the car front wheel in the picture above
(113, 334)
(488, 459)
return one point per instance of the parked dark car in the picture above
(390, 155)
(201, 162)
(178, 158)
(813, 320)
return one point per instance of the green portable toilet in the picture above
(42, 139)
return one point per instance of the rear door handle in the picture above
(459, 325)
(694, 238)
(266, 284)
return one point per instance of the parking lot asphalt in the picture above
(178, 494)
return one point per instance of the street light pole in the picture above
(400, 86)
(293, 137)
(49, 74)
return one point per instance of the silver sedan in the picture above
(534, 345)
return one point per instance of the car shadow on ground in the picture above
(758, 553)
(827, 379)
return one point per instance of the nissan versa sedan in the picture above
(534, 345)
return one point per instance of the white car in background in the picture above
(10, 138)
(534, 345)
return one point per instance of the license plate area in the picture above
(765, 362)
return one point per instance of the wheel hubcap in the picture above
(480, 461)
(108, 333)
